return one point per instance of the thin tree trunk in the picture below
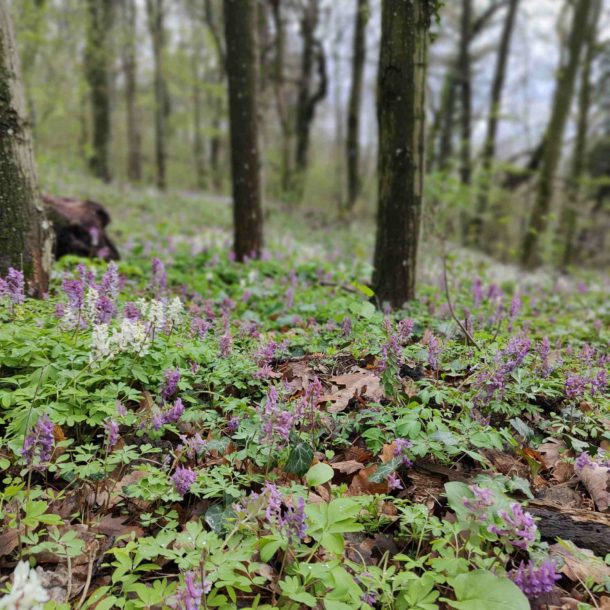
(495, 105)
(313, 53)
(242, 72)
(401, 115)
(355, 102)
(97, 72)
(530, 256)
(26, 240)
(465, 92)
(134, 137)
(280, 97)
(156, 16)
(569, 216)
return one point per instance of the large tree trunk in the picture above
(156, 17)
(355, 102)
(569, 215)
(465, 91)
(242, 72)
(26, 241)
(97, 61)
(313, 53)
(495, 105)
(562, 101)
(134, 138)
(401, 115)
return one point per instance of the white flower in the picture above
(27, 592)
(91, 298)
(131, 337)
(100, 342)
(174, 311)
(155, 314)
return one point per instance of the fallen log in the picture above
(80, 228)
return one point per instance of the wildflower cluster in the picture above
(183, 479)
(12, 287)
(38, 444)
(188, 596)
(534, 580)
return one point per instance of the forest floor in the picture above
(189, 432)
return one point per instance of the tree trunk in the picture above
(134, 137)
(97, 71)
(569, 216)
(401, 116)
(156, 17)
(562, 101)
(313, 53)
(280, 96)
(242, 72)
(26, 241)
(495, 105)
(465, 92)
(355, 102)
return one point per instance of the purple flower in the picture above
(194, 445)
(39, 443)
(401, 451)
(200, 326)
(599, 382)
(183, 479)
(515, 306)
(477, 292)
(172, 377)
(175, 412)
(346, 327)
(583, 460)
(13, 286)
(273, 512)
(519, 526)
(535, 581)
(405, 329)
(226, 342)
(369, 598)
(483, 499)
(434, 352)
(188, 597)
(105, 309)
(233, 424)
(575, 385)
(158, 279)
(277, 423)
(131, 312)
(112, 433)
(75, 291)
(109, 285)
(394, 482)
(295, 522)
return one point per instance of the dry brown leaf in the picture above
(388, 452)
(9, 540)
(596, 479)
(580, 564)
(551, 452)
(347, 466)
(115, 526)
(604, 603)
(358, 383)
(359, 454)
(563, 472)
(361, 485)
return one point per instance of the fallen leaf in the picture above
(361, 485)
(580, 564)
(347, 466)
(596, 479)
(358, 383)
(551, 452)
(563, 472)
(115, 527)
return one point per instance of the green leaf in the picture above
(367, 310)
(365, 290)
(382, 472)
(319, 474)
(299, 460)
(333, 543)
(269, 546)
(482, 590)
(304, 598)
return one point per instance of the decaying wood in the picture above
(80, 228)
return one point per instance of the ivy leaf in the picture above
(382, 472)
(481, 590)
(299, 460)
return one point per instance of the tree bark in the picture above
(495, 105)
(401, 116)
(242, 72)
(129, 63)
(313, 53)
(530, 256)
(355, 102)
(97, 71)
(465, 92)
(156, 16)
(26, 241)
(569, 215)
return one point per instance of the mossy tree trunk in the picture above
(97, 59)
(569, 212)
(401, 116)
(493, 118)
(156, 24)
(130, 70)
(355, 102)
(242, 71)
(562, 101)
(26, 239)
(465, 92)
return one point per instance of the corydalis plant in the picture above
(38, 444)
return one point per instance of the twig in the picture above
(83, 597)
(469, 338)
